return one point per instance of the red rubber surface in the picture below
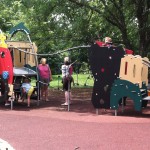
(52, 127)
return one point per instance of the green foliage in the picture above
(81, 81)
(61, 24)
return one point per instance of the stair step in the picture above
(142, 90)
(143, 93)
(147, 98)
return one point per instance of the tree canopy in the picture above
(59, 24)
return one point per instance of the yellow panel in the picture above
(2, 40)
(19, 44)
(19, 57)
(133, 70)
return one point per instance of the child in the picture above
(27, 88)
(17, 86)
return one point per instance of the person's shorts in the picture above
(30, 91)
(44, 82)
(67, 83)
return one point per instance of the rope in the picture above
(55, 53)
(147, 63)
(43, 82)
(35, 80)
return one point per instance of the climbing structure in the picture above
(132, 82)
(118, 75)
(105, 66)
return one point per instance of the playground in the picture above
(120, 87)
(118, 75)
(74, 75)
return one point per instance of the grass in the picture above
(81, 81)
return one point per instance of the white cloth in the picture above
(26, 86)
(65, 70)
(5, 145)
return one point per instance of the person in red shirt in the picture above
(45, 78)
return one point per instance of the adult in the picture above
(45, 78)
(66, 80)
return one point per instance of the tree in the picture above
(129, 17)
(60, 24)
(142, 13)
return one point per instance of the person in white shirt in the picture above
(66, 80)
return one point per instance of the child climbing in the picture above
(28, 89)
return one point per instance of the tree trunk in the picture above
(142, 13)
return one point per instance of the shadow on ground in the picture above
(81, 103)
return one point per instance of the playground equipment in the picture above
(24, 63)
(6, 70)
(105, 65)
(132, 82)
(117, 76)
(15, 63)
(23, 56)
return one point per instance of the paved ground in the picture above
(52, 127)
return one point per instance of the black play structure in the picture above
(117, 75)
(105, 66)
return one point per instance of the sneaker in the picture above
(47, 100)
(7, 104)
(65, 104)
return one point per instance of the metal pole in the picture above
(97, 111)
(58, 82)
(115, 112)
(77, 79)
(37, 77)
(68, 94)
(122, 104)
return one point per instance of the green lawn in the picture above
(80, 81)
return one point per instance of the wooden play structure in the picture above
(118, 75)
(132, 82)
(24, 63)
(24, 58)
(19, 59)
